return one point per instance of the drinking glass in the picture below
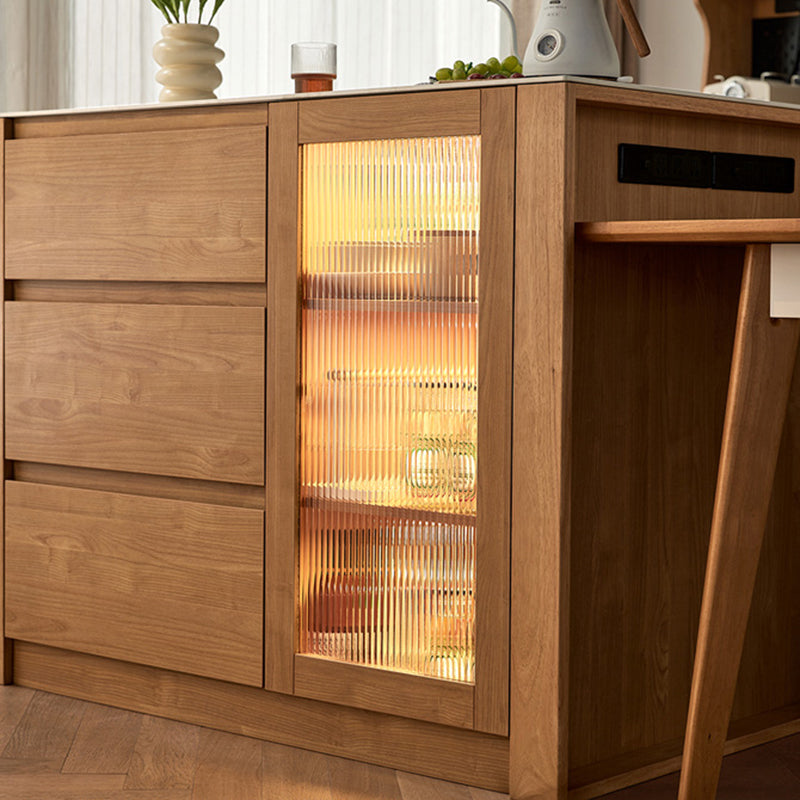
(313, 66)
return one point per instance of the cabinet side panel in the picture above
(496, 292)
(541, 464)
(282, 388)
(5, 646)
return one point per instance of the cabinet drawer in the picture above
(164, 390)
(168, 583)
(165, 206)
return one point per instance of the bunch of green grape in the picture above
(509, 67)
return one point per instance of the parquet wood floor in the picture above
(57, 748)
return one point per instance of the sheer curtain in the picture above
(99, 53)
(35, 45)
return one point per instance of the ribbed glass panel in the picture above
(389, 403)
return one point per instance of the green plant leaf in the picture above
(217, 4)
(185, 4)
(165, 9)
(200, 13)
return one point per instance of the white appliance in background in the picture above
(572, 37)
(770, 87)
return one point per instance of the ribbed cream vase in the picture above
(188, 60)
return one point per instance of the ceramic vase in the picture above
(188, 60)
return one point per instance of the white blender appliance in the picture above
(572, 37)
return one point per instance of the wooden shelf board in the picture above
(699, 231)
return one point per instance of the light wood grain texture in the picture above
(13, 704)
(228, 766)
(495, 368)
(283, 320)
(443, 702)
(6, 131)
(601, 197)
(104, 743)
(66, 787)
(441, 752)
(142, 579)
(761, 375)
(170, 390)
(691, 107)
(541, 465)
(392, 116)
(165, 756)
(684, 231)
(363, 781)
(58, 717)
(653, 338)
(728, 48)
(137, 206)
(295, 774)
(155, 118)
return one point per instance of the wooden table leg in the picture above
(761, 373)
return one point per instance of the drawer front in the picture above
(164, 390)
(168, 583)
(165, 206)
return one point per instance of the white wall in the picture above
(677, 39)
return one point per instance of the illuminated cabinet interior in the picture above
(389, 406)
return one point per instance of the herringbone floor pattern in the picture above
(57, 748)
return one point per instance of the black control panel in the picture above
(703, 169)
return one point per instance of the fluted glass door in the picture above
(388, 421)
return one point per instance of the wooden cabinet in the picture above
(134, 344)
(404, 339)
(323, 426)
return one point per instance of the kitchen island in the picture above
(325, 424)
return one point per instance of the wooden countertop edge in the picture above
(688, 231)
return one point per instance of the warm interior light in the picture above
(389, 403)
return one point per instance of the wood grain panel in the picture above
(729, 41)
(540, 541)
(601, 197)
(686, 231)
(5, 645)
(169, 390)
(443, 702)
(171, 206)
(391, 116)
(283, 337)
(689, 106)
(653, 343)
(172, 584)
(155, 118)
(449, 753)
(495, 367)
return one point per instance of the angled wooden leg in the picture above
(761, 373)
